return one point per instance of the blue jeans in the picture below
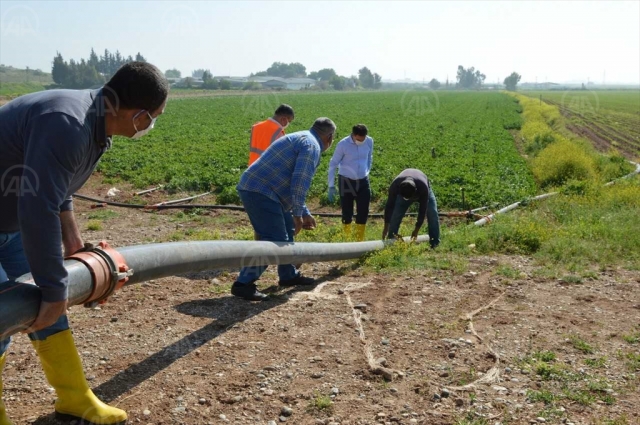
(13, 264)
(271, 223)
(433, 222)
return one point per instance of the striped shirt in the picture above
(354, 162)
(285, 170)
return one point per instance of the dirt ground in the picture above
(425, 347)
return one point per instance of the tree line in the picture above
(97, 69)
(466, 78)
(326, 78)
(91, 72)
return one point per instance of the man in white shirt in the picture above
(353, 157)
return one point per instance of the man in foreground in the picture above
(50, 142)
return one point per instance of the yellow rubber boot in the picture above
(63, 368)
(4, 419)
(360, 228)
(346, 229)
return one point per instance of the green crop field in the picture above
(626, 101)
(15, 82)
(203, 142)
(610, 116)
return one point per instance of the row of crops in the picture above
(460, 140)
(612, 116)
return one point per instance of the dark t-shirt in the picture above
(422, 194)
(50, 143)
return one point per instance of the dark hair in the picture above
(137, 85)
(408, 188)
(360, 130)
(284, 110)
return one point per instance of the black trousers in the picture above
(358, 191)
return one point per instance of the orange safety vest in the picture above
(262, 135)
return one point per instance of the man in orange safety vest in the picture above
(268, 131)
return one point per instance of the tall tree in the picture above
(512, 81)
(60, 70)
(172, 73)
(119, 60)
(434, 84)
(93, 59)
(325, 74)
(365, 76)
(377, 81)
(469, 78)
(198, 73)
(297, 70)
(105, 66)
(338, 82)
(284, 70)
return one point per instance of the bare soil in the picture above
(358, 348)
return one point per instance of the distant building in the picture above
(539, 86)
(299, 83)
(182, 82)
(273, 82)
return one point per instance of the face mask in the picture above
(358, 142)
(286, 125)
(140, 133)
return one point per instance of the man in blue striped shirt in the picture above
(273, 191)
(354, 157)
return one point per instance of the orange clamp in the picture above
(122, 268)
(108, 268)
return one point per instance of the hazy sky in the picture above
(556, 41)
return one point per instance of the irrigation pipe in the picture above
(515, 205)
(100, 203)
(93, 276)
(628, 176)
(508, 208)
(180, 201)
(153, 189)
